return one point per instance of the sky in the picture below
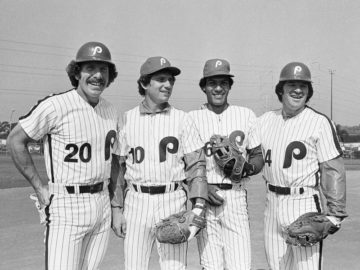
(39, 38)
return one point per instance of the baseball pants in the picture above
(142, 211)
(77, 233)
(281, 211)
(225, 242)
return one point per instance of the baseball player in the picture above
(304, 170)
(225, 242)
(79, 129)
(161, 148)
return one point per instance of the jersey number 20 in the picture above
(84, 150)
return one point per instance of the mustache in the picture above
(94, 80)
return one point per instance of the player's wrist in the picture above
(200, 203)
(116, 206)
(334, 220)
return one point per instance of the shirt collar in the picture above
(144, 109)
(205, 106)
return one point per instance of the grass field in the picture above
(21, 237)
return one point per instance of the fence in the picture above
(34, 148)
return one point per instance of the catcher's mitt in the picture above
(228, 157)
(309, 228)
(176, 228)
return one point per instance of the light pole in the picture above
(331, 71)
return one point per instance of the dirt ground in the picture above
(21, 237)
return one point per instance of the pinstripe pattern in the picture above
(225, 242)
(78, 230)
(67, 118)
(280, 212)
(311, 130)
(78, 142)
(142, 212)
(154, 145)
(293, 149)
(143, 133)
(234, 118)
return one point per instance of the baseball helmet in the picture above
(89, 52)
(93, 51)
(294, 71)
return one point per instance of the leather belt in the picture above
(223, 186)
(86, 189)
(154, 189)
(285, 190)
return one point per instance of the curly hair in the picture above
(73, 69)
(279, 90)
(143, 80)
(202, 82)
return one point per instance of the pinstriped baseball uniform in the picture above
(78, 144)
(293, 149)
(225, 242)
(155, 145)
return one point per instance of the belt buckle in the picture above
(92, 189)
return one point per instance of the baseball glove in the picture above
(309, 229)
(176, 228)
(228, 157)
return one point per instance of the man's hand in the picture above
(214, 195)
(43, 195)
(118, 222)
(193, 228)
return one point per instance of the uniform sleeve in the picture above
(256, 160)
(195, 162)
(328, 146)
(333, 187)
(254, 136)
(195, 172)
(41, 120)
(191, 139)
